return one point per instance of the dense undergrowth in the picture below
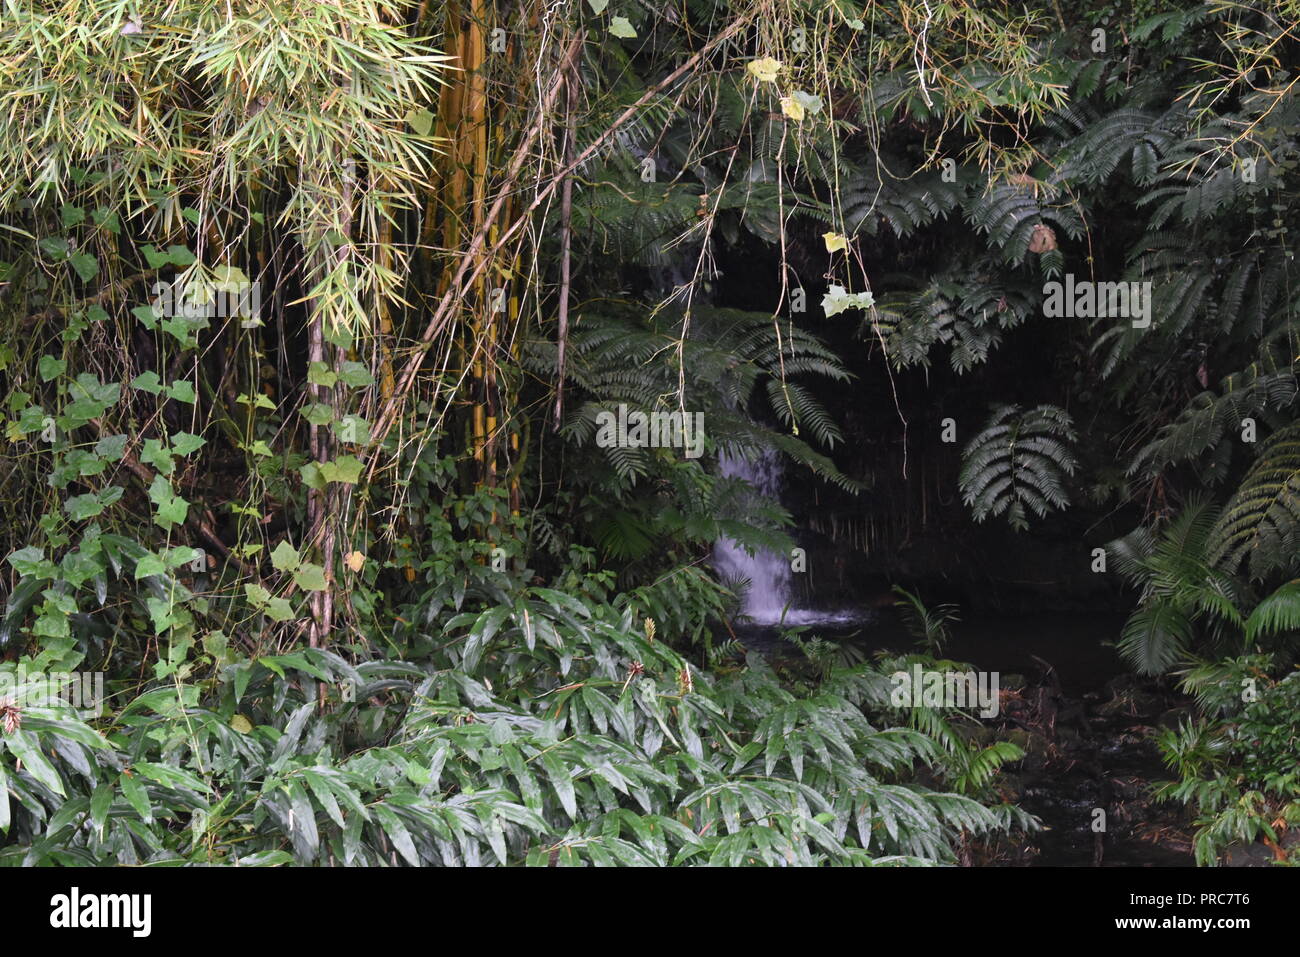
(520, 725)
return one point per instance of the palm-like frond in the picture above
(1019, 461)
(1261, 520)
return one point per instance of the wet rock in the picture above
(1247, 855)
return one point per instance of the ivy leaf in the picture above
(809, 101)
(318, 373)
(86, 265)
(82, 507)
(147, 315)
(56, 247)
(183, 443)
(834, 242)
(172, 512)
(285, 557)
(311, 476)
(30, 562)
(258, 401)
(345, 469)
(421, 121)
(765, 69)
(159, 457)
(172, 509)
(180, 256)
(149, 564)
(837, 300)
(165, 614)
(355, 374)
(111, 447)
(310, 577)
(318, 413)
(354, 429)
(182, 390)
(279, 609)
(598, 6)
(147, 382)
(180, 555)
(51, 368)
(621, 27)
(153, 257)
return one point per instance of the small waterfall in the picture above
(771, 585)
(768, 572)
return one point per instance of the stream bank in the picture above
(1086, 726)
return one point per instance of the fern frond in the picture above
(1019, 460)
(1277, 613)
(1261, 521)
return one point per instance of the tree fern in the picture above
(1260, 522)
(1278, 612)
(1018, 463)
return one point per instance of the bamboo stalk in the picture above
(469, 272)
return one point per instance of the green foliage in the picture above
(929, 626)
(1183, 597)
(499, 614)
(1018, 463)
(1260, 521)
(541, 729)
(1239, 772)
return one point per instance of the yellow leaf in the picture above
(834, 242)
(355, 560)
(792, 108)
(765, 69)
(241, 724)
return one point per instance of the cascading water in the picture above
(771, 585)
(767, 572)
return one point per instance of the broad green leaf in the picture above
(285, 557)
(310, 577)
